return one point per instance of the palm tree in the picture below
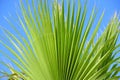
(57, 44)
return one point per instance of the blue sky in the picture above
(11, 6)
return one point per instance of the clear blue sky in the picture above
(10, 7)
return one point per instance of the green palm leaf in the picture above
(57, 47)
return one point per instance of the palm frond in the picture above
(56, 46)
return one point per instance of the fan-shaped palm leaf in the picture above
(57, 45)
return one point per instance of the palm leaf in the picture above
(58, 48)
